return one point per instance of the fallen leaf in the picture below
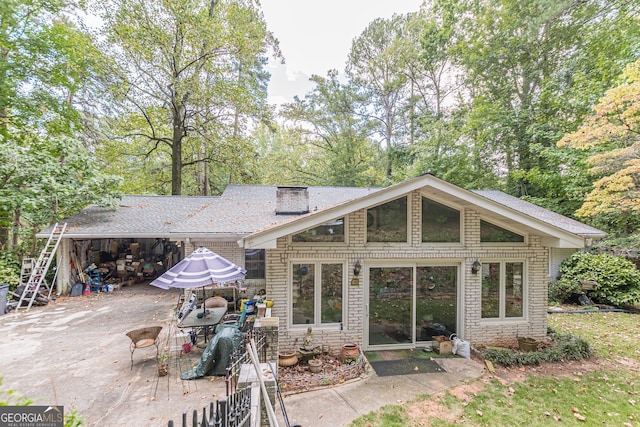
(479, 412)
(579, 417)
(575, 410)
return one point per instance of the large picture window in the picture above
(317, 293)
(502, 290)
(329, 232)
(388, 222)
(491, 233)
(440, 223)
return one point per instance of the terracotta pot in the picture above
(349, 352)
(287, 359)
(315, 365)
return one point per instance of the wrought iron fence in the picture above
(234, 411)
(240, 357)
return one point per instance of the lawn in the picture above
(603, 391)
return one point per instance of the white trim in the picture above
(501, 319)
(556, 237)
(408, 224)
(317, 300)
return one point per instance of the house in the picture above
(383, 267)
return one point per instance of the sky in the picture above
(316, 36)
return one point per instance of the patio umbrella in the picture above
(202, 267)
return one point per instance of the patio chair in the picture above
(144, 337)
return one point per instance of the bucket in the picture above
(250, 307)
(4, 291)
(243, 302)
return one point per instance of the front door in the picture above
(411, 304)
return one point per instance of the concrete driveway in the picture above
(74, 352)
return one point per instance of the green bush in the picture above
(618, 279)
(565, 347)
(9, 269)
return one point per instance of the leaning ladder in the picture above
(41, 266)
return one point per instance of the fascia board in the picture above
(552, 234)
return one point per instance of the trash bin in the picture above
(4, 291)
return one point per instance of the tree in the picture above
(611, 136)
(48, 67)
(534, 68)
(332, 135)
(374, 68)
(190, 78)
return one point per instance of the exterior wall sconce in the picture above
(356, 268)
(475, 267)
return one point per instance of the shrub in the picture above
(618, 279)
(565, 347)
(9, 269)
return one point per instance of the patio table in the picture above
(209, 321)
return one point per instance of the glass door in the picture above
(410, 304)
(390, 305)
(436, 302)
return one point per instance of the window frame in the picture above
(407, 222)
(263, 262)
(317, 294)
(525, 236)
(502, 290)
(343, 243)
(460, 211)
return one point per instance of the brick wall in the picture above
(471, 327)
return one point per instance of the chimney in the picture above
(292, 201)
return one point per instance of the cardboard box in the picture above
(442, 345)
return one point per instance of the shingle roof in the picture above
(244, 209)
(135, 216)
(560, 221)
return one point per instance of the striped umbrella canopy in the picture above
(201, 268)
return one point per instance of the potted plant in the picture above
(315, 365)
(163, 364)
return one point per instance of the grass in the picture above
(604, 397)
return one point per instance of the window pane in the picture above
(440, 223)
(331, 293)
(492, 233)
(390, 305)
(388, 222)
(330, 232)
(254, 263)
(436, 296)
(490, 290)
(303, 289)
(513, 289)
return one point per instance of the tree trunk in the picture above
(176, 150)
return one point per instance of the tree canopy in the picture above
(611, 136)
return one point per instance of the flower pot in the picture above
(287, 359)
(349, 352)
(163, 369)
(527, 344)
(315, 365)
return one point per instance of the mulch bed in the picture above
(299, 378)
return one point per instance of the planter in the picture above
(287, 359)
(349, 352)
(163, 370)
(315, 365)
(527, 344)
